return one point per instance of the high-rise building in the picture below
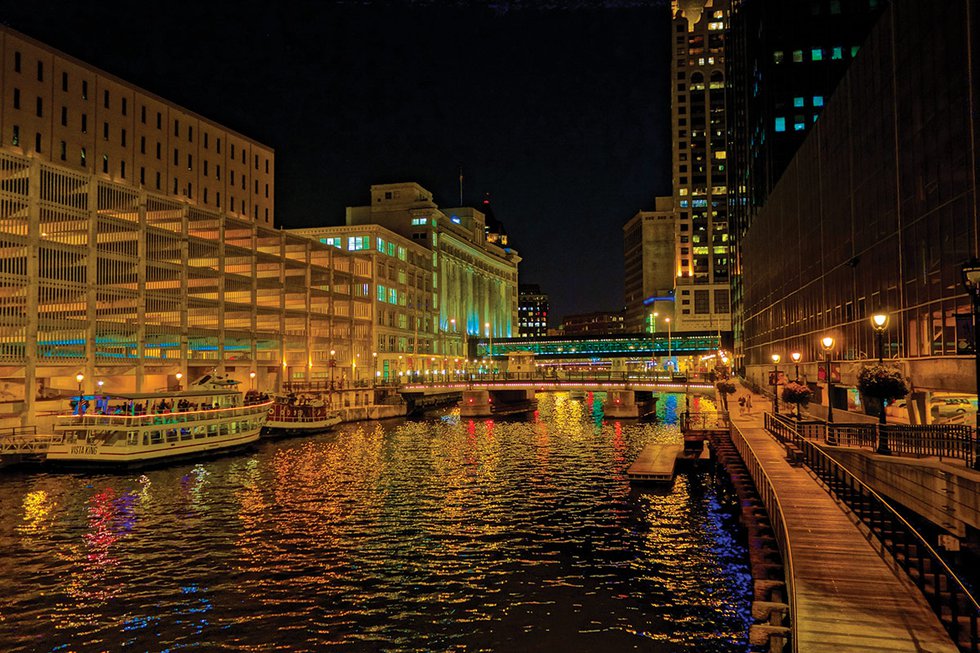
(532, 308)
(878, 211)
(649, 248)
(703, 259)
(474, 281)
(783, 59)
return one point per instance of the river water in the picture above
(440, 535)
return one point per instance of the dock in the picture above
(655, 464)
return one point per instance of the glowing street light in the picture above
(797, 357)
(827, 343)
(251, 379)
(775, 383)
(178, 376)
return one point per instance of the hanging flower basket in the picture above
(797, 393)
(725, 387)
(882, 382)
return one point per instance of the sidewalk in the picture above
(848, 598)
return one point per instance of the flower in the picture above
(797, 393)
(882, 382)
(725, 387)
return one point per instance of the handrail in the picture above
(770, 499)
(885, 521)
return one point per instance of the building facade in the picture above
(107, 279)
(474, 282)
(650, 265)
(533, 308)
(403, 298)
(597, 323)
(703, 272)
(784, 60)
(878, 211)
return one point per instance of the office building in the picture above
(878, 212)
(650, 265)
(532, 308)
(474, 281)
(596, 323)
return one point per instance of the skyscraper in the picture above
(701, 301)
(649, 245)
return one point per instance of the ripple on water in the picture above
(447, 534)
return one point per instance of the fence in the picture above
(956, 608)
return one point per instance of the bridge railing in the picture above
(551, 377)
(705, 421)
(949, 598)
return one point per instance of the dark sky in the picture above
(557, 108)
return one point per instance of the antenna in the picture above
(461, 185)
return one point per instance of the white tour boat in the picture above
(134, 429)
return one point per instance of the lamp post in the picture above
(670, 351)
(653, 341)
(797, 357)
(879, 322)
(827, 342)
(251, 380)
(178, 376)
(971, 279)
(452, 322)
(331, 364)
(374, 367)
(775, 383)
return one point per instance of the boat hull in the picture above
(93, 456)
(284, 428)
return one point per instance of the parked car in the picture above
(950, 407)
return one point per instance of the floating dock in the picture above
(656, 463)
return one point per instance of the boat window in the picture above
(212, 430)
(200, 431)
(155, 437)
(132, 438)
(185, 434)
(171, 435)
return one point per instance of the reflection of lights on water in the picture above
(37, 511)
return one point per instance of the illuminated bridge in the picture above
(607, 346)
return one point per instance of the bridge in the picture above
(637, 345)
(628, 395)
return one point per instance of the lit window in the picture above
(777, 56)
(816, 54)
(837, 53)
(818, 100)
(799, 123)
(797, 102)
(854, 50)
(797, 56)
(780, 124)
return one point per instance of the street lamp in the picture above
(879, 322)
(178, 376)
(251, 380)
(79, 377)
(827, 342)
(775, 383)
(331, 364)
(653, 340)
(374, 366)
(670, 351)
(971, 279)
(797, 357)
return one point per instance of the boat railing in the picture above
(124, 421)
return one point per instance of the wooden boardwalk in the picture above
(848, 596)
(655, 464)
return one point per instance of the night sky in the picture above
(558, 109)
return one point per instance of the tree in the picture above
(883, 383)
(798, 394)
(725, 388)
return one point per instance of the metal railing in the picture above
(949, 598)
(705, 421)
(955, 441)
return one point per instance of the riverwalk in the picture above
(848, 593)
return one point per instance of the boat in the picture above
(296, 415)
(122, 430)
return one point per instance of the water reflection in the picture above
(445, 534)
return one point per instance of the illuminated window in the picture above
(816, 54)
(797, 56)
(780, 124)
(818, 100)
(837, 53)
(797, 102)
(777, 56)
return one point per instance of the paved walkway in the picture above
(847, 597)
